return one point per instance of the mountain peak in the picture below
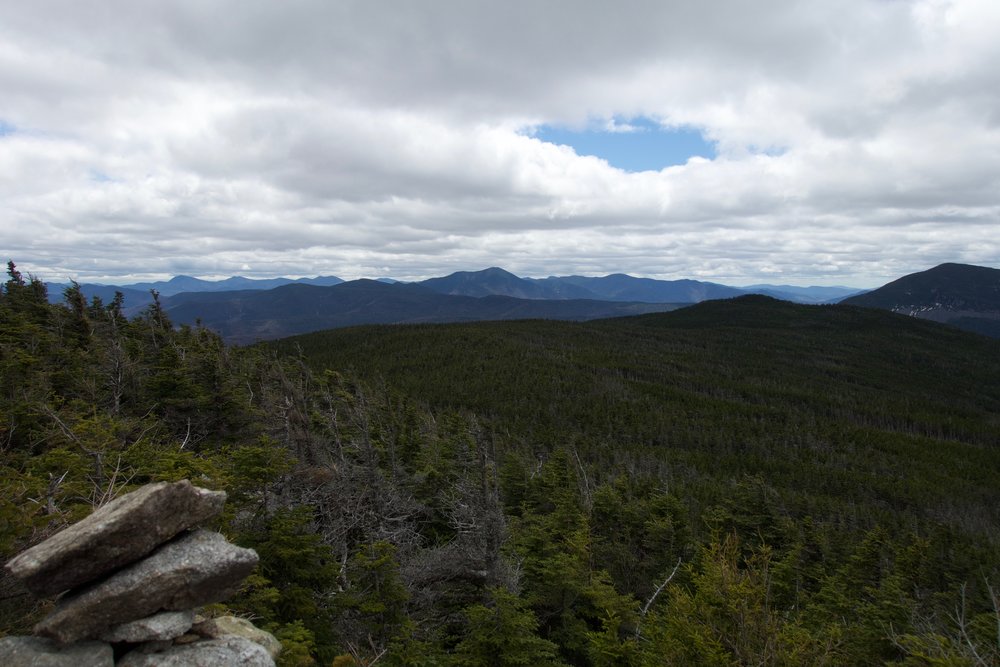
(491, 272)
(487, 282)
(963, 295)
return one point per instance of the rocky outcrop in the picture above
(135, 570)
(38, 652)
(223, 626)
(160, 627)
(222, 652)
(120, 532)
(196, 569)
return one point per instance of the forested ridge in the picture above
(744, 482)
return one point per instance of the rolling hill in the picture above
(838, 407)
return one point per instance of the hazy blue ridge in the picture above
(250, 315)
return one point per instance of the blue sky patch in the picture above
(6, 128)
(637, 144)
(98, 176)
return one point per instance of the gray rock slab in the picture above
(193, 570)
(124, 530)
(222, 652)
(158, 627)
(240, 627)
(155, 647)
(38, 652)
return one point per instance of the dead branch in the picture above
(652, 598)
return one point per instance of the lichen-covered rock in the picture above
(239, 627)
(158, 627)
(195, 569)
(116, 534)
(223, 652)
(38, 652)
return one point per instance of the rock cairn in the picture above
(129, 579)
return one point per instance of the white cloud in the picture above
(857, 141)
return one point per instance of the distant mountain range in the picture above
(488, 282)
(964, 296)
(138, 294)
(622, 287)
(245, 310)
(812, 294)
(250, 315)
(617, 287)
(496, 281)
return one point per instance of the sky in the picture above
(796, 142)
(632, 145)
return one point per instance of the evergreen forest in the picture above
(739, 482)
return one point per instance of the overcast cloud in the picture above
(856, 141)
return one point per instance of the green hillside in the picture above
(778, 424)
(855, 415)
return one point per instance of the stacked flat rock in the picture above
(131, 575)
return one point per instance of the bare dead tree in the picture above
(652, 598)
